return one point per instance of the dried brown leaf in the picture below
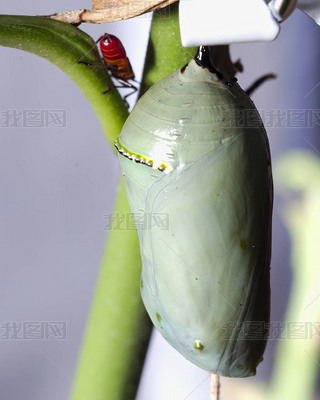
(111, 10)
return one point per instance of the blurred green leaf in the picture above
(297, 177)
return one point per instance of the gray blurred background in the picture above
(57, 183)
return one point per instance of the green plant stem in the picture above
(296, 364)
(118, 328)
(64, 45)
(165, 53)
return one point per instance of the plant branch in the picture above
(64, 45)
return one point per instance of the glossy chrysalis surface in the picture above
(194, 151)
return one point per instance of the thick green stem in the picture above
(165, 53)
(64, 45)
(118, 328)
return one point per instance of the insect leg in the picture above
(129, 85)
(92, 64)
(134, 89)
(98, 40)
(123, 84)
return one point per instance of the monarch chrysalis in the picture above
(187, 152)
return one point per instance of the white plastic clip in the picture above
(215, 22)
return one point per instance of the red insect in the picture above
(117, 62)
(115, 57)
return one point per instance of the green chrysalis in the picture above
(187, 152)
